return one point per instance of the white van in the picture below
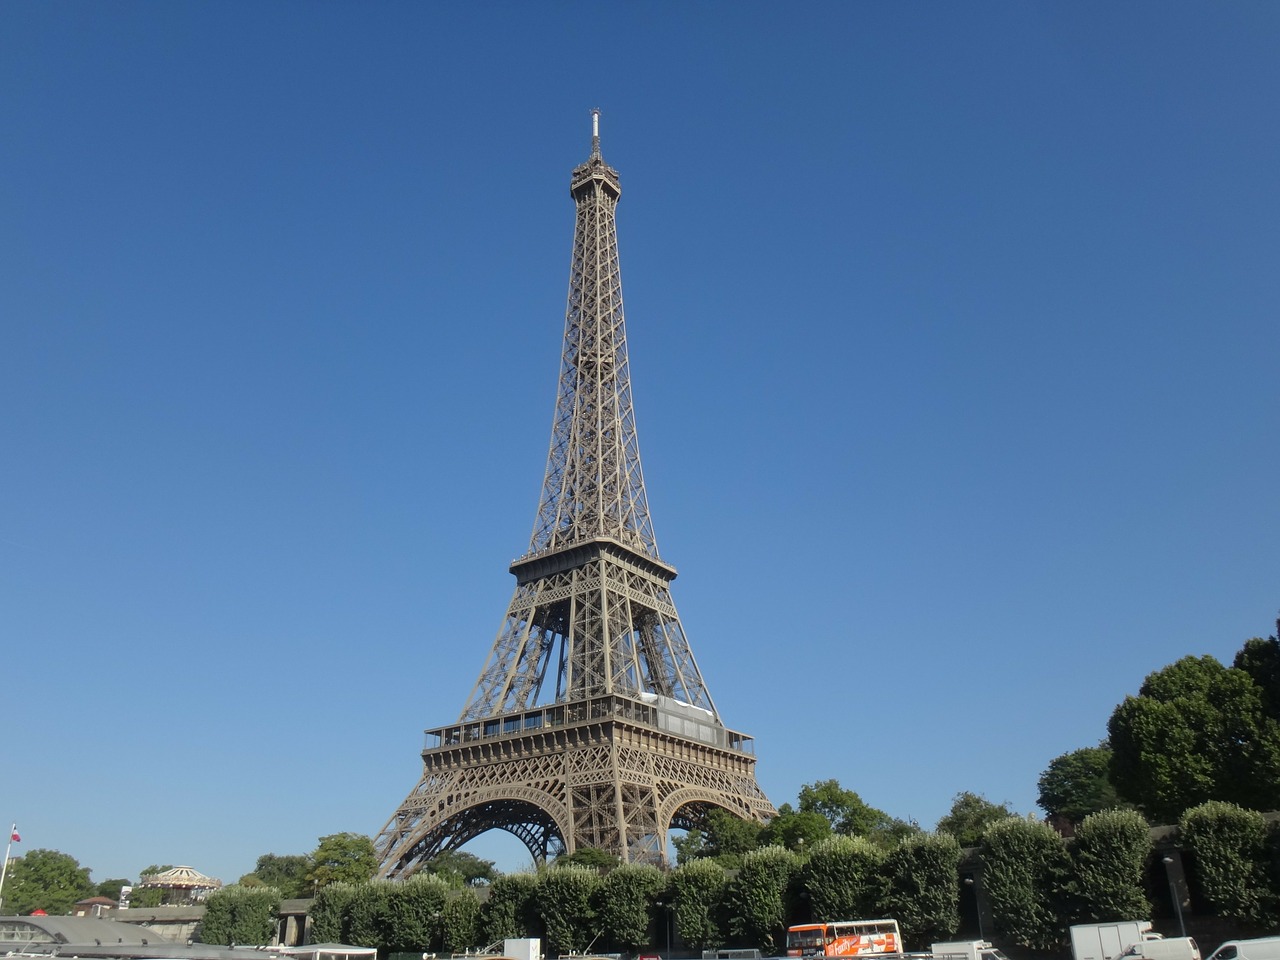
(1167, 948)
(1267, 948)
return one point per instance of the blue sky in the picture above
(954, 343)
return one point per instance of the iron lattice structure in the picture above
(590, 724)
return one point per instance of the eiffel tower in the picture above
(590, 724)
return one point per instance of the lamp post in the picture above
(1174, 895)
(666, 915)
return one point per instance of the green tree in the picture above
(329, 912)
(342, 858)
(1026, 870)
(970, 816)
(699, 892)
(1260, 659)
(593, 858)
(460, 869)
(922, 888)
(511, 910)
(843, 809)
(240, 915)
(288, 874)
(111, 888)
(1197, 731)
(414, 912)
(757, 898)
(623, 901)
(1230, 847)
(566, 901)
(842, 878)
(144, 897)
(1077, 784)
(45, 880)
(460, 923)
(1109, 855)
(723, 837)
(797, 830)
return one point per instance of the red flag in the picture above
(15, 838)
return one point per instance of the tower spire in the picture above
(590, 723)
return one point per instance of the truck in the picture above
(1106, 941)
(965, 950)
(1165, 948)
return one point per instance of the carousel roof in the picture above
(182, 878)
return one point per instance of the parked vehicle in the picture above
(966, 950)
(845, 938)
(1264, 948)
(1167, 948)
(1106, 941)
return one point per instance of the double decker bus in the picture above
(845, 938)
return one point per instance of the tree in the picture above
(566, 902)
(593, 858)
(970, 816)
(922, 887)
(111, 888)
(1261, 660)
(328, 913)
(841, 808)
(723, 836)
(1197, 731)
(240, 915)
(797, 830)
(368, 913)
(45, 880)
(414, 912)
(1077, 784)
(288, 873)
(1229, 844)
(622, 904)
(460, 922)
(149, 896)
(460, 869)
(1109, 855)
(757, 898)
(342, 858)
(1026, 869)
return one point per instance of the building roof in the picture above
(182, 878)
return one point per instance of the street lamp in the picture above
(977, 907)
(1174, 895)
(666, 914)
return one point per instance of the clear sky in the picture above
(953, 337)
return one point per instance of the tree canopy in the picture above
(1077, 784)
(970, 816)
(288, 873)
(45, 880)
(1197, 731)
(343, 858)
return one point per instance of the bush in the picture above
(1230, 847)
(758, 898)
(367, 914)
(413, 911)
(1109, 856)
(622, 904)
(240, 915)
(922, 888)
(1026, 868)
(699, 888)
(842, 878)
(328, 913)
(565, 902)
(512, 908)
(460, 923)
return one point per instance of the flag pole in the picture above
(4, 871)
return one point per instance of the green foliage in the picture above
(757, 899)
(342, 858)
(565, 900)
(1109, 855)
(970, 816)
(922, 888)
(367, 914)
(512, 908)
(111, 888)
(843, 809)
(45, 880)
(797, 830)
(237, 915)
(288, 874)
(842, 878)
(147, 897)
(699, 889)
(592, 858)
(1077, 784)
(413, 912)
(328, 913)
(460, 925)
(1026, 868)
(460, 869)
(1261, 660)
(1197, 731)
(1230, 847)
(622, 904)
(724, 837)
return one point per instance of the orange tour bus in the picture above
(845, 938)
